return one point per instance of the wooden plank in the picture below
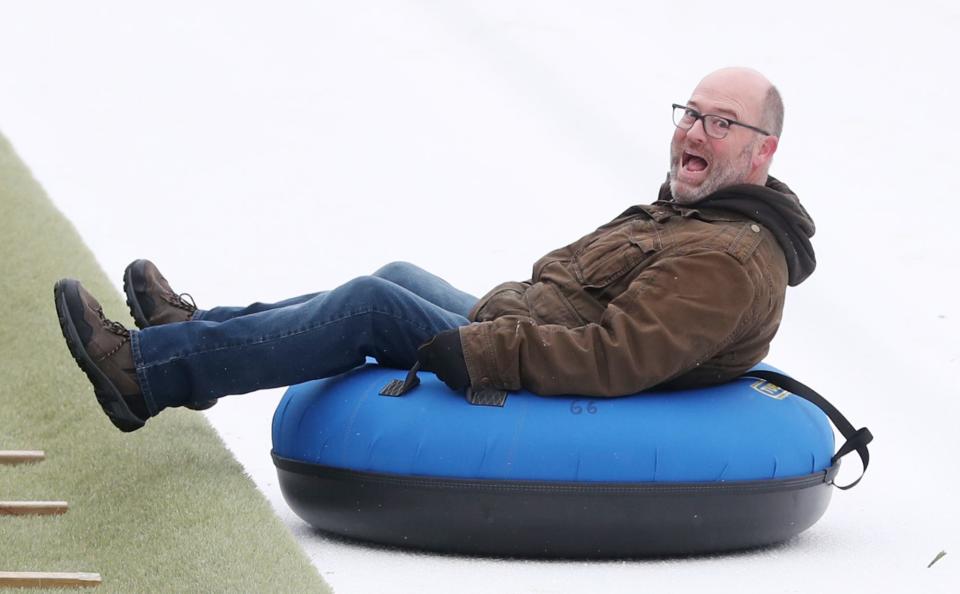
(48, 579)
(32, 508)
(21, 456)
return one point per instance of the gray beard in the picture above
(725, 174)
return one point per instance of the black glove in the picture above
(443, 355)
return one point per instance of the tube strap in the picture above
(857, 439)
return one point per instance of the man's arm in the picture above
(677, 314)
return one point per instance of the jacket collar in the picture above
(772, 205)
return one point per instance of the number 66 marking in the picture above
(576, 409)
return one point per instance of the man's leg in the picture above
(326, 335)
(409, 276)
(224, 313)
(429, 286)
(153, 302)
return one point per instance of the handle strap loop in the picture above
(857, 439)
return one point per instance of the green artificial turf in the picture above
(166, 508)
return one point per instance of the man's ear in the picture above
(767, 148)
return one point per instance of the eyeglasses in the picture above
(715, 126)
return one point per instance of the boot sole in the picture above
(109, 397)
(129, 289)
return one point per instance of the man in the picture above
(686, 291)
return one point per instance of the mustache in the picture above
(702, 151)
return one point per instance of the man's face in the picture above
(701, 164)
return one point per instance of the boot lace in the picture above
(183, 301)
(111, 326)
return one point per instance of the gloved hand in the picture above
(443, 355)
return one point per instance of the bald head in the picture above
(757, 97)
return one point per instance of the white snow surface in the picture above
(257, 151)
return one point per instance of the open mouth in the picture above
(693, 163)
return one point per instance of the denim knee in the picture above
(397, 271)
(366, 293)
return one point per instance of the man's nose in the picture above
(697, 131)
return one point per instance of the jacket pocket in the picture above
(502, 300)
(547, 305)
(614, 253)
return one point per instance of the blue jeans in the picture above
(235, 350)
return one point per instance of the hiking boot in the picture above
(152, 302)
(102, 349)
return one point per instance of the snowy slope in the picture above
(256, 152)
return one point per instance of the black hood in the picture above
(775, 207)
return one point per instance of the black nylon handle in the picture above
(857, 439)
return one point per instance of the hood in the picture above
(775, 207)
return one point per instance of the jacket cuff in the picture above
(480, 356)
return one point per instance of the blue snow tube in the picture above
(732, 466)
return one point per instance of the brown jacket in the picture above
(662, 295)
